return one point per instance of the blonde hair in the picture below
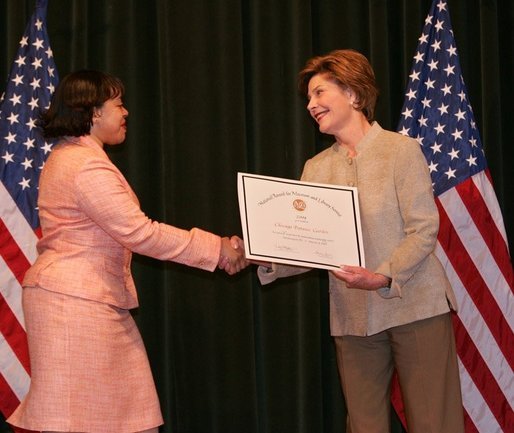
(350, 70)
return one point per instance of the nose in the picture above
(311, 104)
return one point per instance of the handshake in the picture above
(232, 255)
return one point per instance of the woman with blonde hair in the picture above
(395, 312)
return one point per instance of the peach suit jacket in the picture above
(91, 223)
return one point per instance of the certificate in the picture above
(300, 223)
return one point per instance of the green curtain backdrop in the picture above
(211, 90)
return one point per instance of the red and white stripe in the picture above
(473, 248)
(17, 252)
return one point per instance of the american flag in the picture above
(472, 243)
(23, 151)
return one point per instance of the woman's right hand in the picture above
(238, 243)
(232, 257)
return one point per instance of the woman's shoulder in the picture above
(391, 144)
(69, 158)
(75, 150)
(326, 154)
(395, 138)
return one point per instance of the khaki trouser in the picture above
(424, 356)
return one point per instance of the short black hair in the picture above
(74, 101)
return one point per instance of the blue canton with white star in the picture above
(436, 111)
(23, 150)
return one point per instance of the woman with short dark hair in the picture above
(90, 371)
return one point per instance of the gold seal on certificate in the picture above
(300, 223)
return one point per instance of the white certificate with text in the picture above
(300, 223)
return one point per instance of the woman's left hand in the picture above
(357, 277)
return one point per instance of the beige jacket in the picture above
(91, 222)
(400, 223)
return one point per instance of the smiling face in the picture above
(109, 122)
(329, 104)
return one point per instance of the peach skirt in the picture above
(89, 368)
